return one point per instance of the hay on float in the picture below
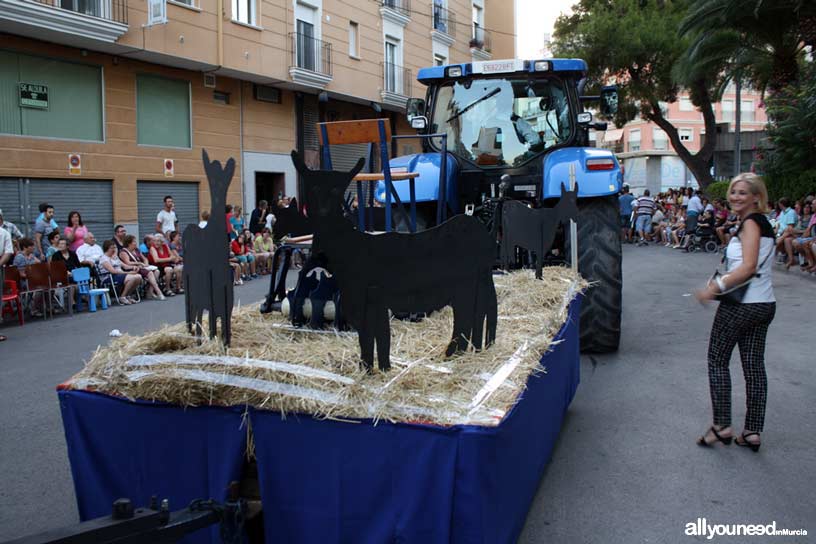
(273, 366)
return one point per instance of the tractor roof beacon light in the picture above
(455, 71)
(600, 164)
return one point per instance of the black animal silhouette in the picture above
(289, 221)
(207, 273)
(534, 229)
(450, 264)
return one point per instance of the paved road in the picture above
(625, 468)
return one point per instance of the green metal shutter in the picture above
(163, 111)
(74, 99)
(9, 100)
(10, 201)
(151, 200)
(92, 199)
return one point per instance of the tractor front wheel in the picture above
(599, 262)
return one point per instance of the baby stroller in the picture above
(705, 239)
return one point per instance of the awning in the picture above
(613, 135)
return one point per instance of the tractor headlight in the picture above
(455, 71)
(541, 66)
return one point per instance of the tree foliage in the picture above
(636, 44)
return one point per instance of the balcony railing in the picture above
(112, 10)
(402, 7)
(311, 54)
(444, 20)
(481, 39)
(396, 79)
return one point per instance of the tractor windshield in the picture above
(504, 121)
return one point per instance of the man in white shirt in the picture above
(6, 251)
(89, 253)
(166, 220)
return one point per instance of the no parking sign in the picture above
(168, 168)
(74, 164)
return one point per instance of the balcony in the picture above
(71, 22)
(311, 60)
(480, 43)
(396, 11)
(396, 84)
(444, 25)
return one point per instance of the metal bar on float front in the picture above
(573, 225)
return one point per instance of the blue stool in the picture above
(82, 277)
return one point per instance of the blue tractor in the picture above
(513, 129)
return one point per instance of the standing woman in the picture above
(76, 230)
(742, 323)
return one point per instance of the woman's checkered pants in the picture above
(745, 325)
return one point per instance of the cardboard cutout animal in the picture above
(207, 273)
(534, 229)
(448, 265)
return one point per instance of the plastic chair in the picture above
(13, 274)
(82, 277)
(12, 296)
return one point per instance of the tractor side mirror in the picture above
(609, 101)
(415, 107)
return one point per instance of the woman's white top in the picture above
(761, 288)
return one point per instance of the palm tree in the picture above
(763, 40)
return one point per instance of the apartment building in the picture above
(647, 155)
(105, 105)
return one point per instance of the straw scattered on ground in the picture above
(272, 367)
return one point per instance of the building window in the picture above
(39, 97)
(685, 104)
(439, 60)
(660, 140)
(393, 70)
(634, 140)
(243, 11)
(747, 111)
(190, 3)
(163, 111)
(727, 110)
(354, 39)
(686, 134)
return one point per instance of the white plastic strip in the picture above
(289, 368)
(306, 330)
(498, 378)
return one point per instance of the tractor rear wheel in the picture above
(599, 262)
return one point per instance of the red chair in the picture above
(12, 297)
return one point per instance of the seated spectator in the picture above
(53, 238)
(174, 242)
(119, 233)
(727, 229)
(169, 265)
(264, 251)
(24, 258)
(134, 259)
(125, 280)
(785, 223)
(11, 228)
(245, 258)
(66, 255)
(89, 253)
(147, 243)
(678, 229)
(205, 218)
(76, 230)
(798, 232)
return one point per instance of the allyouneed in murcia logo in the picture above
(702, 527)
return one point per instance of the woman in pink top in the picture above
(76, 231)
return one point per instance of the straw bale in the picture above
(271, 366)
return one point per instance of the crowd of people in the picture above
(152, 269)
(685, 219)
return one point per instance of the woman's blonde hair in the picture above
(757, 187)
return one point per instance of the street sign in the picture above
(169, 171)
(33, 96)
(74, 164)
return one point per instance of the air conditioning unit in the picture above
(265, 93)
(209, 81)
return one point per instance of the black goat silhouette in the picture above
(450, 264)
(534, 229)
(207, 273)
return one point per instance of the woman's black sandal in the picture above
(724, 439)
(740, 441)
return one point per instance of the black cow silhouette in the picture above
(534, 229)
(450, 264)
(207, 273)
